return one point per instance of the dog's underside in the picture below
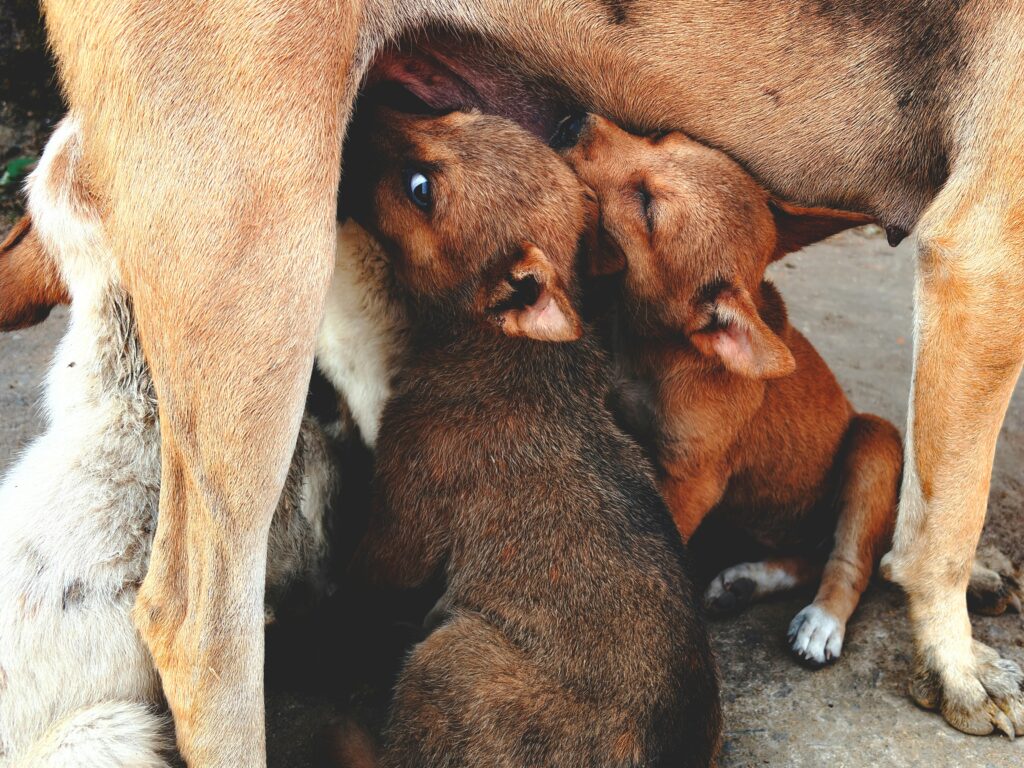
(909, 112)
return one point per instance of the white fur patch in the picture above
(767, 578)
(113, 734)
(816, 636)
(362, 335)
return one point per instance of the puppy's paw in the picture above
(978, 701)
(996, 585)
(730, 592)
(816, 636)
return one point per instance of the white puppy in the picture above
(78, 512)
(363, 334)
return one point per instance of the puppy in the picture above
(78, 509)
(568, 634)
(363, 334)
(747, 422)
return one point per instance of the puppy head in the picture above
(30, 282)
(481, 219)
(692, 233)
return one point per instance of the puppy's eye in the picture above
(646, 200)
(419, 189)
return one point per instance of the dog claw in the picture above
(1003, 724)
(989, 699)
(816, 636)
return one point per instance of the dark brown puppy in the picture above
(569, 634)
(748, 422)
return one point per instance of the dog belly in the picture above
(876, 142)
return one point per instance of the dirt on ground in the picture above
(852, 296)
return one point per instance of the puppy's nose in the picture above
(568, 131)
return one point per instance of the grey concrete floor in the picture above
(852, 296)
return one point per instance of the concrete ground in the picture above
(852, 298)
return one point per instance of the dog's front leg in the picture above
(970, 287)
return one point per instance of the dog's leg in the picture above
(216, 159)
(970, 346)
(870, 471)
(740, 585)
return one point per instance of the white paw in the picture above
(730, 591)
(816, 636)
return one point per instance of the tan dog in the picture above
(747, 422)
(906, 111)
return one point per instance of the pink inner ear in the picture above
(733, 345)
(544, 320)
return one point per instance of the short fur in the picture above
(362, 337)
(568, 632)
(749, 424)
(911, 112)
(77, 685)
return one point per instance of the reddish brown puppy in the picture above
(568, 634)
(746, 420)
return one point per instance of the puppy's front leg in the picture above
(970, 282)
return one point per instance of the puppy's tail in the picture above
(115, 734)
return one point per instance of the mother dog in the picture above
(213, 145)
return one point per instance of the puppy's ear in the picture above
(30, 283)
(798, 227)
(602, 255)
(530, 300)
(740, 338)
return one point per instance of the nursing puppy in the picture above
(78, 509)
(746, 420)
(568, 634)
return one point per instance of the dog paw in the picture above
(816, 636)
(730, 592)
(986, 699)
(996, 585)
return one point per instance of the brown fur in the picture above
(910, 112)
(30, 282)
(568, 634)
(749, 423)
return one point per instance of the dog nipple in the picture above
(895, 235)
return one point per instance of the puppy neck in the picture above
(477, 361)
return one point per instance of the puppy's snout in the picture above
(568, 132)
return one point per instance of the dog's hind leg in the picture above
(969, 351)
(869, 468)
(216, 160)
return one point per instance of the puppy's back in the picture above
(574, 637)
